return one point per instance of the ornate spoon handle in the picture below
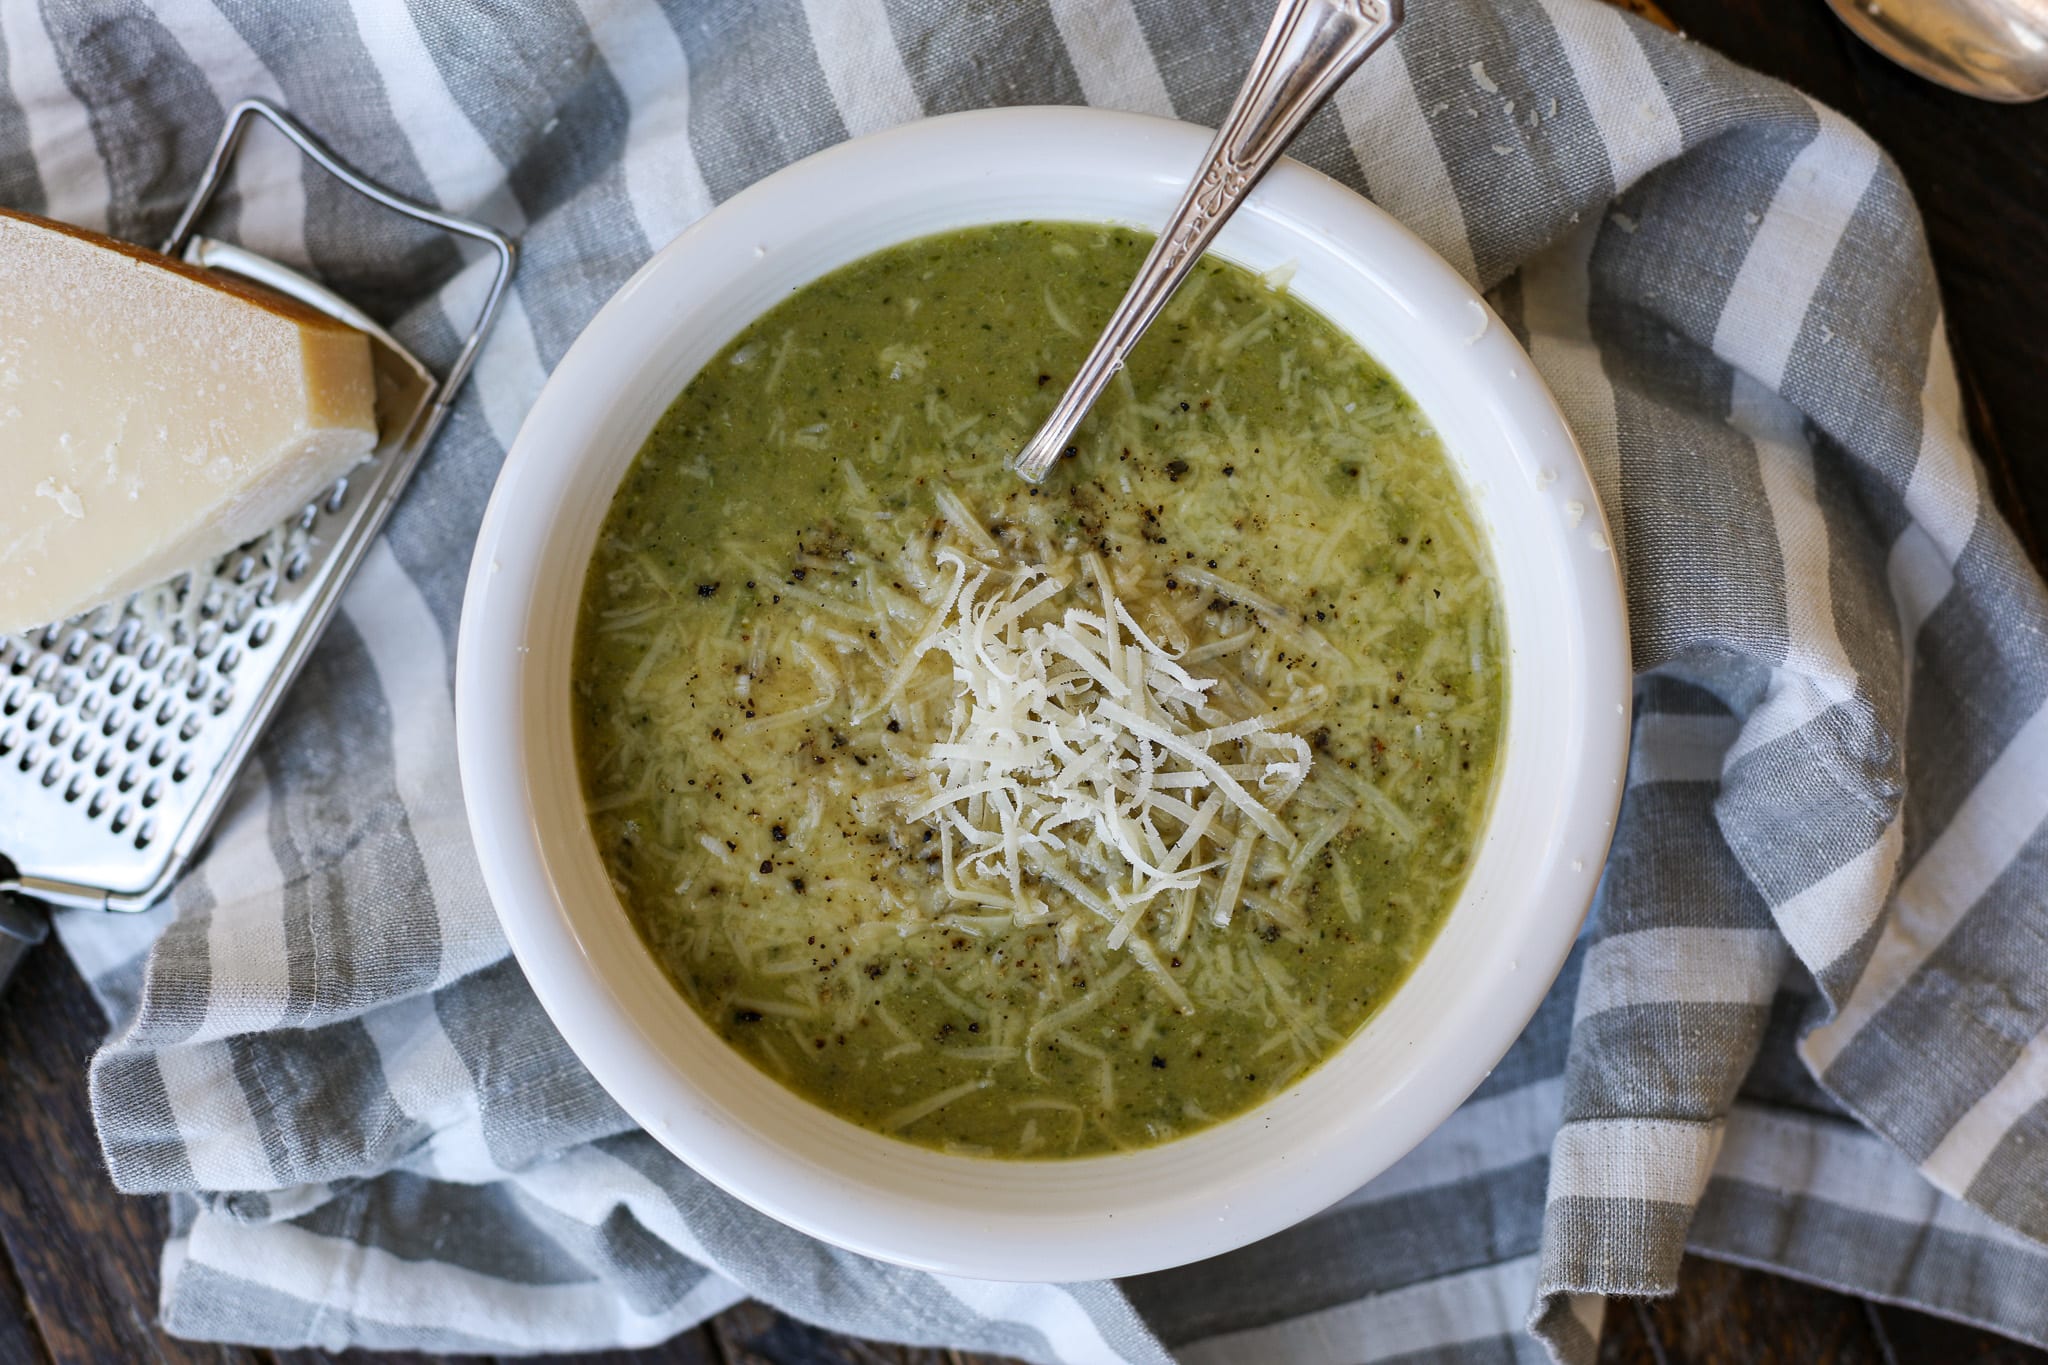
(1310, 48)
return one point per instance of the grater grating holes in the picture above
(72, 680)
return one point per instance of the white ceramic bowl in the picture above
(1346, 1121)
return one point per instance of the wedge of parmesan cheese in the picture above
(154, 416)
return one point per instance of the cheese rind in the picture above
(154, 415)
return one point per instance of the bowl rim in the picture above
(495, 689)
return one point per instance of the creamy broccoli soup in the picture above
(1037, 822)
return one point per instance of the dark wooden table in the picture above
(78, 1273)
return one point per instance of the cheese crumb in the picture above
(61, 494)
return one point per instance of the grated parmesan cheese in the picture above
(1078, 741)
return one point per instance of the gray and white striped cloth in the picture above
(1806, 1027)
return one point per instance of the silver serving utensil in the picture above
(1311, 46)
(1990, 49)
(122, 730)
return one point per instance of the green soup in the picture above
(1037, 822)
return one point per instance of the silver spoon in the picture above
(1992, 49)
(1310, 48)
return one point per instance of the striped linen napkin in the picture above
(1804, 1031)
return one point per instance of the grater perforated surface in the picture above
(112, 713)
(112, 723)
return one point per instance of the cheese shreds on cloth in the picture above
(1804, 1028)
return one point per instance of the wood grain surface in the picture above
(78, 1262)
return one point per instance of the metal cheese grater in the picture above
(122, 730)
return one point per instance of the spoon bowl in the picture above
(1989, 49)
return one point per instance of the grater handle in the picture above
(215, 175)
(422, 433)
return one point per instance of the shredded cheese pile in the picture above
(1084, 756)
